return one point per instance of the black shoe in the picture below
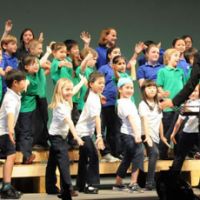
(91, 190)
(11, 194)
(53, 191)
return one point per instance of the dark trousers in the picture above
(41, 119)
(24, 134)
(169, 120)
(186, 143)
(58, 157)
(153, 154)
(88, 165)
(133, 154)
(112, 125)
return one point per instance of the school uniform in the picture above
(58, 153)
(154, 118)
(133, 151)
(10, 104)
(189, 136)
(88, 165)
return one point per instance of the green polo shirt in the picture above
(60, 72)
(80, 96)
(42, 83)
(171, 79)
(28, 100)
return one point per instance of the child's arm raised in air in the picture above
(8, 28)
(80, 84)
(85, 61)
(86, 38)
(137, 134)
(73, 131)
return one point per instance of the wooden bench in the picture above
(38, 168)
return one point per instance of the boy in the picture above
(16, 83)
(9, 61)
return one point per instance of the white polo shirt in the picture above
(154, 118)
(192, 124)
(125, 108)
(11, 104)
(58, 125)
(92, 108)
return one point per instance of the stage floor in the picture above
(103, 194)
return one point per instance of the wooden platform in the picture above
(37, 170)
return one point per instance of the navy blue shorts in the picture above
(6, 146)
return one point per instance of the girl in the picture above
(60, 125)
(189, 136)
(88, 166)
(150, 69)
(170, 81)
(179, 45)
(110, 120)
(131, 136)
(188, 41)
(24, 135)
(60, 66)
(108, 38)
(152, 128)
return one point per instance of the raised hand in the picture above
(85, 37)
(41, 37)
(8, 26)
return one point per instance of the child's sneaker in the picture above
(91, 190)
(135, 188)
(120, 187)
(11, 193)
(109, 158)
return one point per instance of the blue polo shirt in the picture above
(8, 60)
(148, 71)
(102, 54)
(110, 90)
(142, 60)
(184, 66)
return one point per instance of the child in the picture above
(9, 61)
(88, 166)
(150, 69)
(24, 135)
(60, 125)
(15, 81)
(131, 136)
(60, 67)
(152, 127)
(170, 81)
(110, 120)
(89, 57)
(188, 41)
(41, 115)
(179, 44)
(190, 133)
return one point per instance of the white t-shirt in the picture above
(125, 108)
(192, 124)
(11, 104)
(92, 108)
(58, 125)
(154, 118)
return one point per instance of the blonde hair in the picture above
(57, 94)
(33, 43)
(7, 39)
(167, 55)
(85, 52)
